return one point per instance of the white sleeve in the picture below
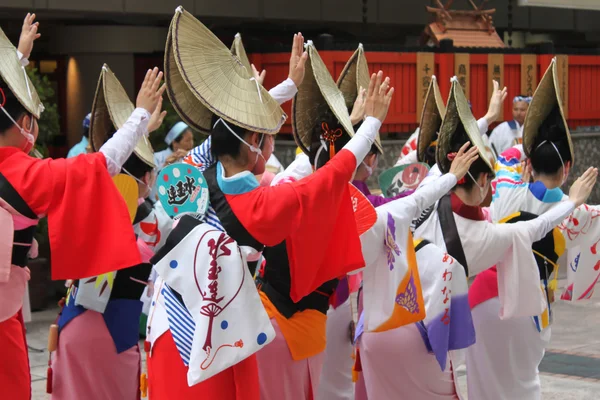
(284, 92)
(361, 143)
(119, 147)
(22, 59)
(410, 158)
(539, 227)
(483, 126)
(298, 169)
(424, 196)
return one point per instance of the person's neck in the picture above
(231, 167)
(548, 181)
(469, 197)
(361, 175)
(8, 139)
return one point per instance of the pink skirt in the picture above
(283, 378)
(87, 366)
(397, 365)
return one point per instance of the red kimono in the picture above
(89, 230)
(316, 218)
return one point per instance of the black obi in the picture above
(22, 238)
(275, 282)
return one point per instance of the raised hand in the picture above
(358, 110)
(157, 117)
(29, 33)
(177, 155)
(151, 91)
(582, 187)
(379, 97)
(298, 60)
(495, 109)
(463, 160)
(259, 76)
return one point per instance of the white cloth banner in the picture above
(209, 271)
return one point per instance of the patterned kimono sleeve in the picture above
(582, 227)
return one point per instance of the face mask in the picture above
(252, 148)
(369, 169)
(481, 188)
(27, 133)
(148, 190)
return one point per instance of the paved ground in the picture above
(570, 370)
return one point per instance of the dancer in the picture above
(503, 364)
(240, 142)
(100, 320)
(31, 188)
(457, 225)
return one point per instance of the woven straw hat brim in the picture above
(431, 118)
(354, 76)
(457, 110)
(16, 78)
(545, 98)
(317, 93)
(238, 50)
(218, 79)
(185, 103)
(110, 110)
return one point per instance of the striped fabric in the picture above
(181, 324)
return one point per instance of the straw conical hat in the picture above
(317, 94)
(431, 118)
(354, 76)
(458, 111)
(110, 110)
(16, 78)
(204, 78)
(238, 50)
(545, 98)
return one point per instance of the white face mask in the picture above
(482, 191)
(369, 169)
(27, 133)
(252, 148)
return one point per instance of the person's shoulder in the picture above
(500, 127)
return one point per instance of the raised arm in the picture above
(29, 33)
(427, 195)
(287, 89)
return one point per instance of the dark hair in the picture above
(86, 132)
(12, 107)
(429, 156)
(223, 142)
(179, 138)
(333, 125)
(136, 167)
(544, 158)
(478, 167)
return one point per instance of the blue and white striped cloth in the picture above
(181, 324)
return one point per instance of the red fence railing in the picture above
(583, 99)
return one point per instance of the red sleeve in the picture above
(89, 226)
(314, 216)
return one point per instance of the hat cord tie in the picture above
(257, 88)
(331, 136)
